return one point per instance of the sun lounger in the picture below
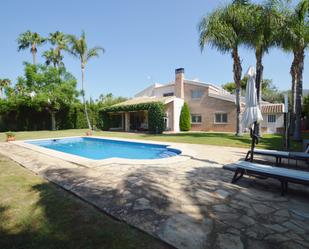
(280, 154)
(299, 155)
(284, 175)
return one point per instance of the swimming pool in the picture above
(99, 148)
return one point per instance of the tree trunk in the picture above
(237, 77)
(33, 51)
(83, 96)
(258, 82)
(53, 120)
(293, 72)
(299, 95)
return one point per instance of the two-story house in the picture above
(211, 107)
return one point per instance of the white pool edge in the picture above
(186, 153)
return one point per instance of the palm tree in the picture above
(32, 40)
(4, 83)
(60, 40)
(79, 49)
(53, 57)
(263, 26)
(224, 30)
(295, 38)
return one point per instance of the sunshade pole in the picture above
(253, 142)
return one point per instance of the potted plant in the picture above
(89, 133)
(10, 136)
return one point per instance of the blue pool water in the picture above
(97, 148)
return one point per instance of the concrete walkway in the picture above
(188, 204)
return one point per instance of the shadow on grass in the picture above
(60, 220)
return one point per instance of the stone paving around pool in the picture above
(189, 204)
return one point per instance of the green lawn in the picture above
(212, 138)
(36, 214)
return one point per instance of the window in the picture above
(271, 118)
(196, 94)
(196, 118)
(221, 118)
(168, 94)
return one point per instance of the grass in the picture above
(37, 214)
(269, 141)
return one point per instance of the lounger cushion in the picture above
(272, 152)
(302, 155)
(289, 173)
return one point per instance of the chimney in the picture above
(179, 85)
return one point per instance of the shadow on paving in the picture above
(59, 220)
(251, 213)
(199, 208)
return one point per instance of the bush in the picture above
(185, 118)
(156, 118)
(10, 134)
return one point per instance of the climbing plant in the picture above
(155, 115)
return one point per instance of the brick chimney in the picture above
(179, 85)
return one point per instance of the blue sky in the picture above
(144, 40)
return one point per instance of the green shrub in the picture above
(185, 118)
(156, 118)
(10, 134)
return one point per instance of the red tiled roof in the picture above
(272, 108)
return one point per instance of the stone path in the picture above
(189, 204)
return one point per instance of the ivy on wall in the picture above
(155, 115)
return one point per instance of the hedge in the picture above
(24, 118)
(155, 115)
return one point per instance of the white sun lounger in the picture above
(284, 175)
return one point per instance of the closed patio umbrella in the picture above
(252, 114)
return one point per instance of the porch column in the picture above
(127, 121)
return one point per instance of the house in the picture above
(211, 107)
(273, 118)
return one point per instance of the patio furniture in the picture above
(304, 156)
(306, 144)
(282, 174)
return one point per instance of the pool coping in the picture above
(186, 153)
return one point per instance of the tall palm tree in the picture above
(4, 83)
(263, 25)
(79, 49)
(60, 40)
(224, 30)
(53, 57)
(30, 40)
(295, 38)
